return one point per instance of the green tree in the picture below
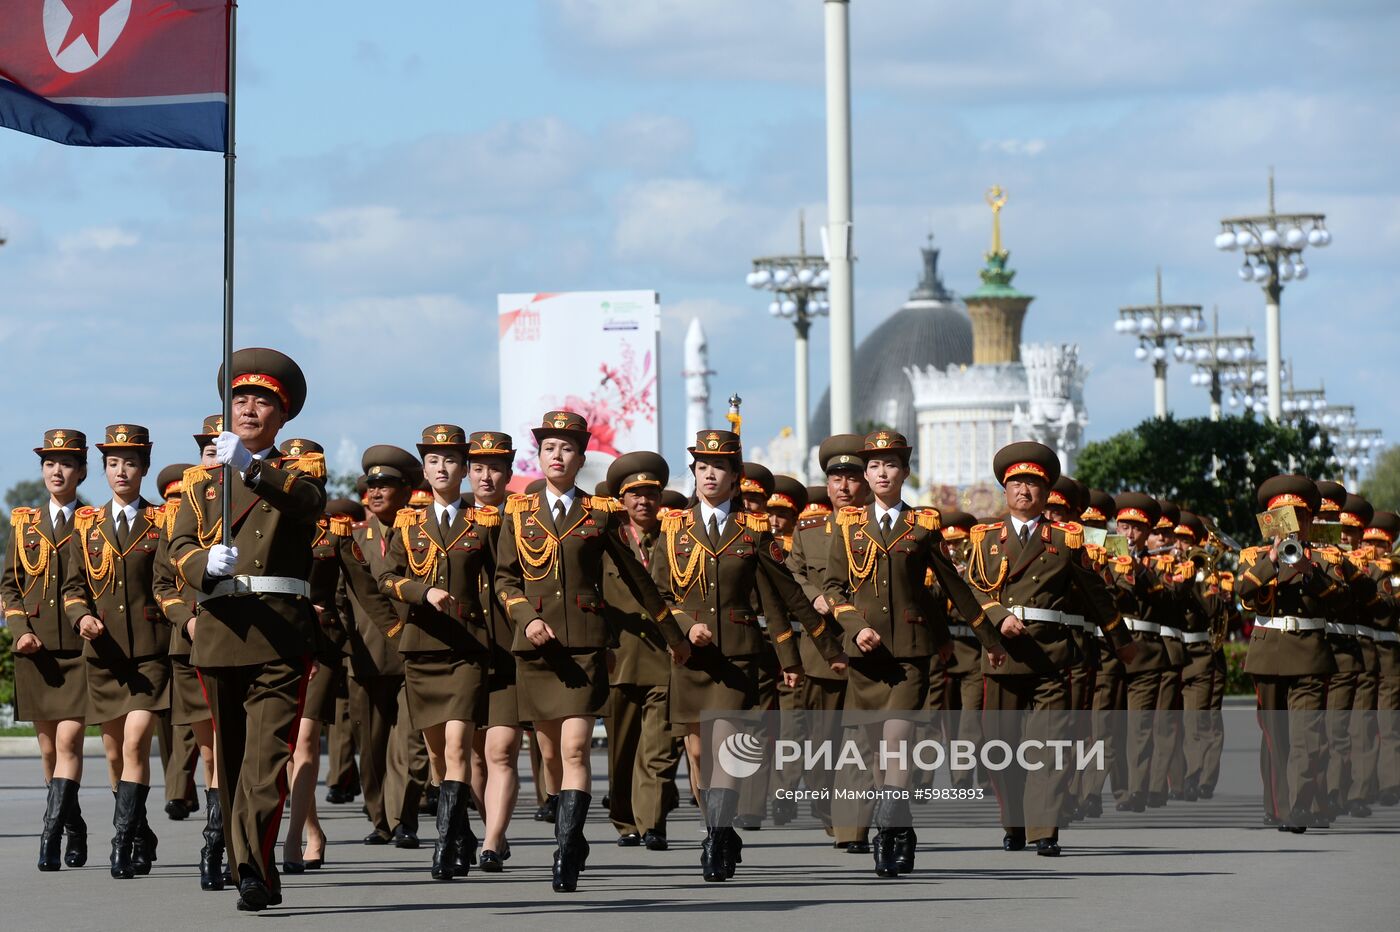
(1382, 489)
(1209, 467)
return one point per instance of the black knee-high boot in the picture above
(124, 824)
(74, 830)
(572, 849)
(450, 803)
(211, 856)
(143, 841)
(51, 839)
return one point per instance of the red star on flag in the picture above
(86, 23)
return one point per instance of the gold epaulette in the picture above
(1122, 565)
(154, 512)
(673, 519)
(850, 514)
(756, 523)
(407, 517)
(928, 518)
(1227, 582)
(1074, 533)
(22, 516)
(487, 516)
(309, 464)
(1330, 554)
(85, 517)
(341, 525)
(192, 475)
(521, 501)
(1249, 554)
(602, 503)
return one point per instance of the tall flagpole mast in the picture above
(229, 159)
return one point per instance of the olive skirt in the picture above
(116, 687)
(51, 686)
(559, 682)
(502, 702)
(712, 682)
(443, 686)
(321, 693)
(187, 701)
(884, 683)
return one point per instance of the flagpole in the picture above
(227, 388)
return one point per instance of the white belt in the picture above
(1025, 613)
(1098, 632)
(258, 585)
(1337, 627)
(1195, 637)
(1387, 637)
(1145, 627)
(1291, 623)
(1169, 632)
(961, 631)
(1366, 631)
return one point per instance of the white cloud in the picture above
(99, 239)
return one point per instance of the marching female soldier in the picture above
(550, 579)
(894, 623)
(108, 597)
(436, 562)
(716, 564)
(50, 674)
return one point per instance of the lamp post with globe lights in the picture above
(799, 286)
(1220, 360)
(1355, 448)
(1155, 325)
(1273, 245)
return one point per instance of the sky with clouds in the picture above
(401, 164)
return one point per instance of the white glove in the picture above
(230, 451)
(221, 559)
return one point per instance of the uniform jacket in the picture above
(115, 584)
(421, 558)
(555, 573)
(274, 522)
(1274, 592)
(716, 584)
(806, 559)
(640, 655)
(877, 580)
(376, 618)
(1050, 572)
(175, 596)
(32, 586)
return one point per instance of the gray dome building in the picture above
(931, 329)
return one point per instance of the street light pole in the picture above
(1273, 244)
(1220, 359)
(1156, 324)
(837, 236)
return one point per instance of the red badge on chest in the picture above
(211, 493)
(775, 550)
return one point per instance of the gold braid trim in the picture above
(681, 579)
(488, 516)
(20, 517)
(538, 558)
(849, 515)
(855, 573)
(342, 525)
(425, 568)
(602, 503)
(756, 523)
(83, 522)
(407, 518)
(521, 502)
(192, 475)
(672, 519)
(977, 563)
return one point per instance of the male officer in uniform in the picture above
(642, 755)
(386, 740)
(1203, 679)
(1038, 572)
(823, 689)
(253, 639)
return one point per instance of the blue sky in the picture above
(402, 164)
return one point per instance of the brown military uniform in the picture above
(108, 575)
(553, 570)
(445, 657)
(254, 651)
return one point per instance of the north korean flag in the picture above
(116, 72)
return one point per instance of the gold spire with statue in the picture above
(997, 309)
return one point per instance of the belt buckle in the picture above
(242, 585)
(1290, 624)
